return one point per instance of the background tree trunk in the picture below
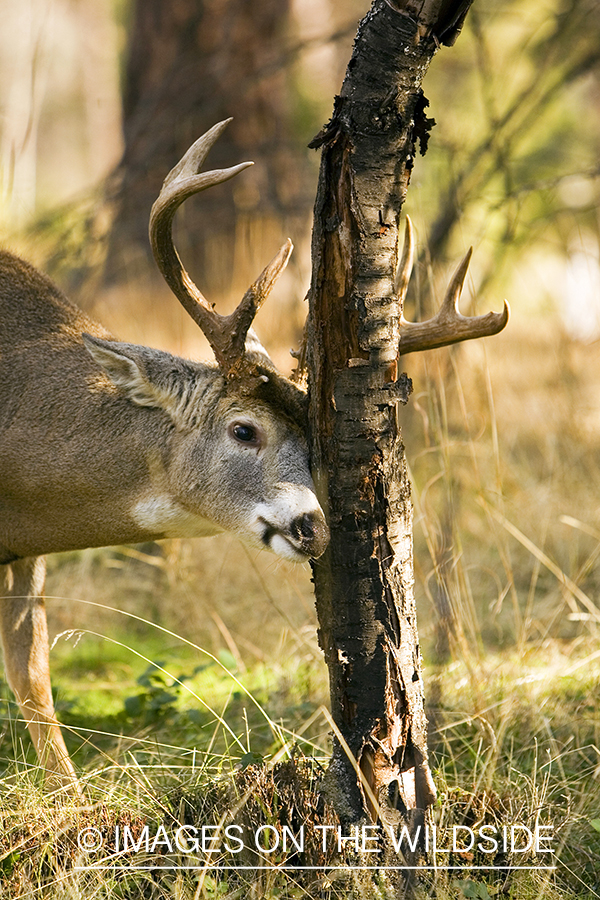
(364, 583)
(191, 64)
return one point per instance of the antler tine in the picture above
(242, 317)
(193, 159)
(226, 334)
(449, 326)
(405, 266)
(449, 308)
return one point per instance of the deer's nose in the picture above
(310, 531)
(302, 528)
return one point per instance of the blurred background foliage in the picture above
(99, 97)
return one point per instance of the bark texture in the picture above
(192, 63)
(364, 583)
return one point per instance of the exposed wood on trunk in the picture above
(364, 583)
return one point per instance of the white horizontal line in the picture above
(312, 868)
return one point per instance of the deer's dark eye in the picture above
(245, 434)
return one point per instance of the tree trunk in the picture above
(364, 583)
(191, 64)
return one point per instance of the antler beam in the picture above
(225, 334)
(449, 326)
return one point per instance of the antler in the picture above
(226, 334)
(448, 326)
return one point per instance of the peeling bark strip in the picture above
(364, 583)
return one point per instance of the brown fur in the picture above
(107, 443)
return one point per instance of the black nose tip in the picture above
(311, 532)
(302, 528)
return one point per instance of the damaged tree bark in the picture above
(364, 583)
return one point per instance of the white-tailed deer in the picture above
(105, 443)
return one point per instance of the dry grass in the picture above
(502, 439)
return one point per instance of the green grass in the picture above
(506, 750)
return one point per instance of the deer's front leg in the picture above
(26, 659)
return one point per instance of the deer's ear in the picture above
(124, 366)
(255, 350)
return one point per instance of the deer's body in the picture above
(61, 462)
(105, 443)
(87, 462)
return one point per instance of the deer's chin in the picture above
(278, 541)
(282, 546)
